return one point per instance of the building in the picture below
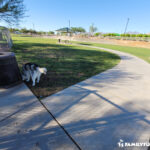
(64, 31)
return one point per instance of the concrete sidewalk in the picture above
(107, 108)
(96, 113)
(26, 125)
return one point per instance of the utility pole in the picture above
(69, 24)
(69, 30)
(33, 27)
(126, 25)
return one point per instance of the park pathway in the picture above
(106, 108)
(26, 125)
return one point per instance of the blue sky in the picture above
(107, 15)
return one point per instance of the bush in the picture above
(97, 34)
(139, 35)
(145, 35)
(111, 34)
(133, 35)
(126, 35)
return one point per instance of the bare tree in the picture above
(11, 11)
(92, 29)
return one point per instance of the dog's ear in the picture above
(45, 70)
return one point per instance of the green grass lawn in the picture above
(66, 64)
(143, 53)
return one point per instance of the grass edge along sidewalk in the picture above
(143, 53)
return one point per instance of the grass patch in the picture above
(143, 53)
(66, 64)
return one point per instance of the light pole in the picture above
(69, 24)
(33, 26)
(126, 25)
(69, 30)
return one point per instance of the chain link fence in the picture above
(5, 39)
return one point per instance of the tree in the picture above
(74, 29)
(78, 30)
(31, 31)
(92, 29)
(24, 30)
(13, 30)
(41, 32)
(11, 11)
(51, 33)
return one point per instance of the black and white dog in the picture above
(32, 71)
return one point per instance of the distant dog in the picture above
(32, 71)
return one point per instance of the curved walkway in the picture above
(105, 108)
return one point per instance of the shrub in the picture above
(133, 35)
(145, 35)
(139, 35)
(97, 34)
(111, 34)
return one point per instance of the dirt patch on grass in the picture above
(121, 42)
(132, 43)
